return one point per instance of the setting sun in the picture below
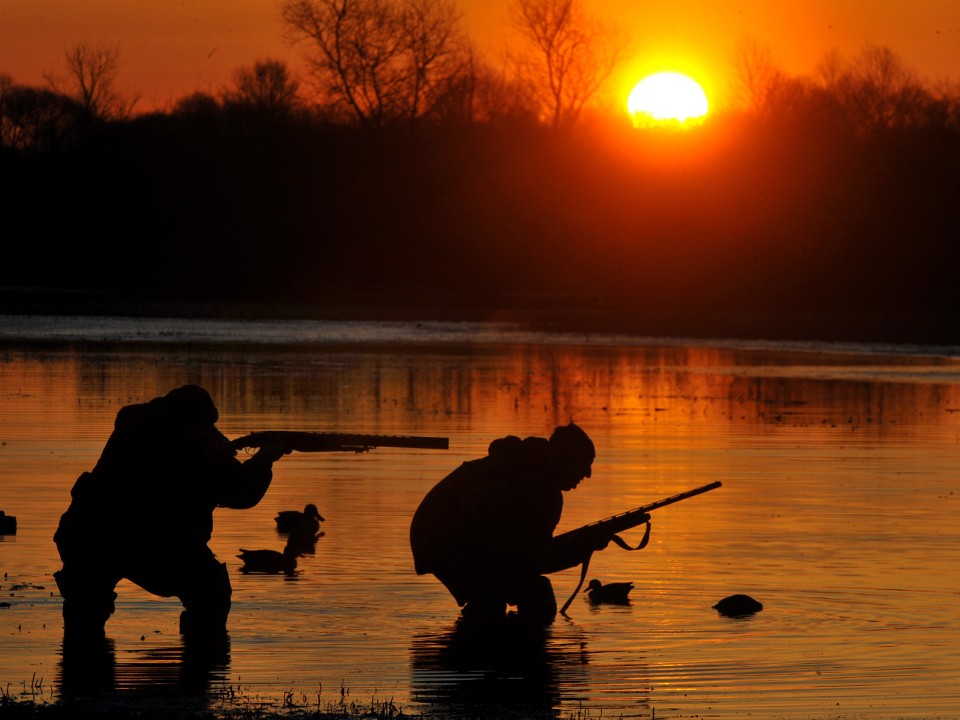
(667, 98)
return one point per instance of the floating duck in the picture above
(271, 562)
(8, 524)
(615, 592)
(302, 522)
(738, 606)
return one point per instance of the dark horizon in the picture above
(807, 221)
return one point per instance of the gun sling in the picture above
(617, 540)
(624, 521)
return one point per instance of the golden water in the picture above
(838, 511)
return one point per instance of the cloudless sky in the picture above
(170, 48)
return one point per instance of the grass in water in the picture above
(229, 702)
(34, 701)
(289, 709)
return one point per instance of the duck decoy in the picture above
(8, 524)
(616, 592)
(738, 605)
(272, 562)
(303, 522)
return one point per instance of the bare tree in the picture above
(267, 87)
(763, 89)
(37, 120)
(379, 60)
(756, 75)
(480, 92)
(945, 94)
(887, 89)
(570, 55)
(875, 91)
(198, 103)
(6, 84)
(830, 69)
(92, 73)
(436, 47)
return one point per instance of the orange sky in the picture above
(169, 49)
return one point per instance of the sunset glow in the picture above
(203, 43)
(667, 97)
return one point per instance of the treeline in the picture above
(818, 197)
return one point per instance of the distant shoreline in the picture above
(550, 314)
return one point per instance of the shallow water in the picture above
(838, 511)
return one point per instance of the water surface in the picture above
(838, 511)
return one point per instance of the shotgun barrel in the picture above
(337, 442)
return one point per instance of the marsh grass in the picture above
(291, 708)
(34, 699)
(233, 702)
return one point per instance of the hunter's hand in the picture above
(271, 453)
(601, 543)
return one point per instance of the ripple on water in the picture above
(837, 512)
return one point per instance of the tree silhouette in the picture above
(37, 120)
(756, 76)
(196, 104)
(482, 93)
(378, 60)
(569, 58)
(267, 88)
(92, 73)
(875, 91)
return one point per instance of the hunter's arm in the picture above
(574, 548)
(236, 484)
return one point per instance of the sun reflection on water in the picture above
(839, 485)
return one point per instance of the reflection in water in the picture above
(87, 667)
(838, 512)
(466, 390)
(171, 674)
(495, 669)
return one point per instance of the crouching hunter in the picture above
(145, 513)
(486, 530)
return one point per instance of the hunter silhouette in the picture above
(145, 513)
(486, 530)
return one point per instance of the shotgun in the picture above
(336, 442)
(576, 547)
(606, 529)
